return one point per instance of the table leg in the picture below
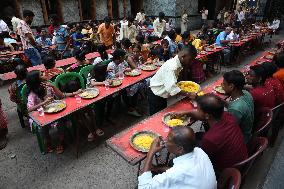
(139, 166)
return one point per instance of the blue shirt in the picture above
(172, 45)
(75, 36)
(220, 37)
(60, 38)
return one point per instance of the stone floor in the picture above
(23, 166)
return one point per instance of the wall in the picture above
(128, 8)
(101, 9)
(153, 7)
(70, 11)
(35, 6)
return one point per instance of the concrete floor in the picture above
(97, 166)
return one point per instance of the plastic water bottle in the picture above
(120, 72)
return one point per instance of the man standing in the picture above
(106, 33)
(164, 83)
(192, 167)
(132, 30)
(204, 15)
(184, 21)
(159, 24)
(240, 17)
(27, 38)
(141, 16)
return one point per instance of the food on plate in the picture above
(175, 122)
(188, 86)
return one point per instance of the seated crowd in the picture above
(199, 157)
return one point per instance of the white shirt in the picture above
(241, 16)
(3, 27)
(140, 17)
(99, 59)
(15, 21)
(23, 29)
(163, 83)
(204, 14)
(159, 27)
(275, 24)
(232, 36)
(123, 28)
(190, 171)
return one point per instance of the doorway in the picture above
(136, 6)
(115, 9)
(210, 6)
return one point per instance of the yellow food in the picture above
(174, 122)
(201, 93)
(60, 106)
(188, 87)
(143, 141)
(51, 110)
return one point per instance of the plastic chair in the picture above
(62, 79)
(230, 178)
(84, 72)
(278, 120)
(263, 122)
(255, 149)
(40, 139)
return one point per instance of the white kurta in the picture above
(184, 22)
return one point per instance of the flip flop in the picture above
(91, 137)
(3, 143)
(100, 132)
(59, 149)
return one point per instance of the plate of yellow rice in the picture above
(142, 140)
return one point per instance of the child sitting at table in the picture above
(152, 57)
(164, 51)
(103, 54)
(50, 71)
(41, 93)
(85, 116)
(80, 58)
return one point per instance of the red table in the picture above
(120, 142)
(72, 105)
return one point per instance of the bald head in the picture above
(212, 105)
(184, 137)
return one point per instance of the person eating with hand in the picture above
(191, 168)
(164, 83)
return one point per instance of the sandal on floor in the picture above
(59, 149)
(100, 132)
(49, 149)
(91, 137)
(3, 143)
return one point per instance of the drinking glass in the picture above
(78, 99)
(40, 111)
(106, 85)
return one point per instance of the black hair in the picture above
(79, 55)
(33, 82)
(172, 34)
(102, 51)
(190, 49)
(178, 30)
(181, 139)
(161, 15)
(279, 61)
(154, 52)
(107, 19)
(258, 70)
(164, 33)
(150, 39)
(126, 43)
(55, 18)
(140, 39)
(185, 35)
(21, 71)
(27, 13)
(117, 54)
(99, 72)
(164, 41)
(72, 86)
(136, 46)
(214, 106)
(38, 29)
(269, 69)
(130, 18)
(236, 78)
(49, 62)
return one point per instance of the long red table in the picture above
(59, 63)
(120, 142)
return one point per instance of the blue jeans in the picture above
(34, 56)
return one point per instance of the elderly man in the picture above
(221, 41)
(223, 142)
(163, 83)
(191, 167)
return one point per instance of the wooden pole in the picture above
(124, 8)
(80, 10)
(44, 11)
(94, 11)
(109, 8)
(18, 8)
(59, 10)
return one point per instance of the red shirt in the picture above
(263, 97)
(224, 143)
(51, 29)
(276, 85)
